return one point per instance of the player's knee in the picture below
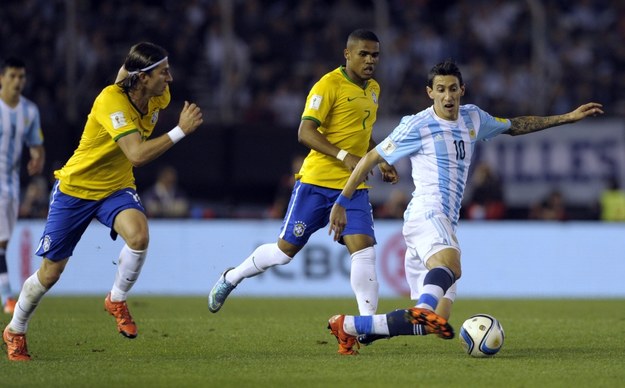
(50, 273)
(448, 258)
(287, 248)
(138, 241)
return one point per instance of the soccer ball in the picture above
(481, 335)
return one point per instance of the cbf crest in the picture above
(46, 242)
(299, 228)
(374, 97)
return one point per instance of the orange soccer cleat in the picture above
(346, 341)
(125, 325)
(9, 306)
(16, 345)
(433, 322)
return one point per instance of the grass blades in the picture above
(284, 343)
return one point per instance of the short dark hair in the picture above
(141, 55)
(447, 67)
(13, 62)
(362, 34)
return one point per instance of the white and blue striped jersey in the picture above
(19, 126)
(440, 153)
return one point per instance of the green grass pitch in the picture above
(263, 342)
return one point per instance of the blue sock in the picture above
(363, 324)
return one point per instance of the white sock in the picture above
(349, 326)
(32, 292)
(263, 257)
(377, 324)
(364, 280)
(128, 270)
(434, 292)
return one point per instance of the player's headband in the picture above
(152, 66)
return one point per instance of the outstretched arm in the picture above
(338, 216)
(527, 124)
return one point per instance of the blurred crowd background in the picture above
(250, 63)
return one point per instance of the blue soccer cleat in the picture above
(220, 292)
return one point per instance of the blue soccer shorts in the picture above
(309, 210)
(69, 217)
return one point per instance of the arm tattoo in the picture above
(528, 124)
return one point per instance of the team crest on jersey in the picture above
(118, 119)
(315, 102)
(154, 118)
(299, 229)
(472, 133)
(374, 97)
(388, 146)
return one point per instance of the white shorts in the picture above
(425, 236)
(8, 216)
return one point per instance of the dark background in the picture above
(250, 64)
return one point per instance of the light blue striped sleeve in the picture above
(403, 141)
(34, 135)
(490, 126)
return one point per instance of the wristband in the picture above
(341, 155)
(176, 134)
(343, 200)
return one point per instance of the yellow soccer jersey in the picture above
(345, 113)
(98, 166)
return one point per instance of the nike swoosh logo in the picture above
(350, 99)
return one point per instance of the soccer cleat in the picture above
(125, 325)
(16, 345)
(368, 339)
(220, 292)
(434, 322)
(9, 306)
(346, 341)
